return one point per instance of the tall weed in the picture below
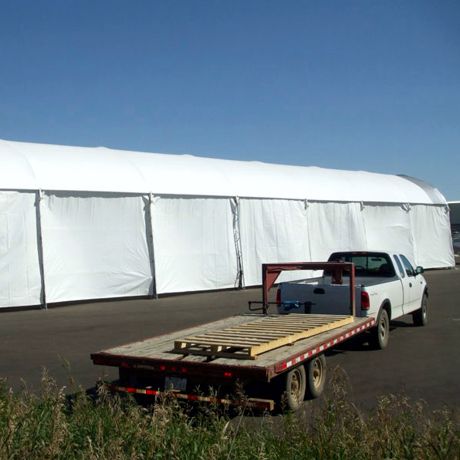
(49, 425)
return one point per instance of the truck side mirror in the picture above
(419, 270)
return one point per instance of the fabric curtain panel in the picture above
(194, 244)
(431, 234)
(20, 282)
(95, 246)
(335, 227)
(272, 231)
(388, 228)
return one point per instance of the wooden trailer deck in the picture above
(285, 343)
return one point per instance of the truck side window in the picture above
(407, 265)
(399, 264)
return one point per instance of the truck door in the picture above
(405, 284)
(412, 296)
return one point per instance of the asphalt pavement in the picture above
(420, 362)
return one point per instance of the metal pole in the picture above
(307, 218)
(237, 239)
(41, 258)
(151, 247)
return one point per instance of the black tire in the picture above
(290, 389)
(316, 377)
(420, 316)
(380, 335)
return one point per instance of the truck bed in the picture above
(158, 354)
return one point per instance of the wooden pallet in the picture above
(253, 338)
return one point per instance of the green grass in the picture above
(47, 426)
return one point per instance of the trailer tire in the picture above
(420, 316)
(290, 389)
(316, 377)
(380, 335)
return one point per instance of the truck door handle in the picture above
(319, 291)
(410, 284)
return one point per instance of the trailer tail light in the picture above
(278, 296)
(365, 302)
(182, 370)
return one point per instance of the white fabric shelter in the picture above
(84, 223)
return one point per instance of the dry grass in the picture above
(48, 426)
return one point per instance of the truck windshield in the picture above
(366, 263)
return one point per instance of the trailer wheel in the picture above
(290, 389)
(381, 333)
(316, 376)
(420, 316)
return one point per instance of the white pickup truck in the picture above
(386, 287)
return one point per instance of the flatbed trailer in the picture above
(256, 359)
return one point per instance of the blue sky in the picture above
(371, 85)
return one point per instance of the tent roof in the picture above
(27, 166)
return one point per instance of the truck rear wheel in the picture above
(316, 377)
(420, 316)
(381, 333)
(290, 389)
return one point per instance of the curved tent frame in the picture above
(99, 169)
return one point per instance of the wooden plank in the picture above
(276, 325)
(259, 331)
(252, 333)
(290, 323)
(298, 317)
(257, 350)
(280, 327)
(253, 329)
(249, 335)
(194, 341)
(246, 341)
(210, 338)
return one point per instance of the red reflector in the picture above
(184, 370)
(365, 302)
(227, 374)
(130, 390)
(278, 296)
(162, 368)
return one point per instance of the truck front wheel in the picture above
(316, 376)
(420, 316)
